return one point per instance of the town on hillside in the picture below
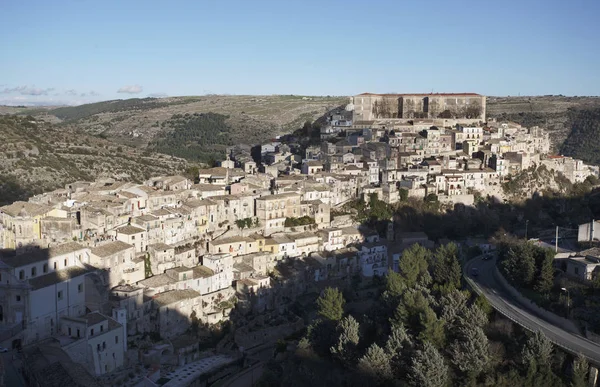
(123, 280)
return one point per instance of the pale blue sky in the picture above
(75, 51)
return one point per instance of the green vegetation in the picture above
(73, 113)
(526, 265)
(422, 329)
(331, 304)
(302, 221)
(196, 137)
(583, 141)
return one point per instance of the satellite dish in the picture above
(349, 107)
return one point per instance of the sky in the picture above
(79, 51)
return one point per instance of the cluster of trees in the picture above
(583, 141)
(197, 137)
(73, 113)
(247, 223)
(302, 221)
(422, 330)
(526, 265)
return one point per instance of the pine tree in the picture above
(397, 340)
(432, 328)
(376, 363)
(446, 266)
(331, 304)
(544, 278)
(348, 329)
(579, 378)
(413, 263)
(537, 352)
(470, 351)
(428, 368)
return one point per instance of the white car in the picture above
(2, 349)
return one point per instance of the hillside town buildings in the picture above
(97, 262)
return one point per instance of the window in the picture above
(60, 295)
(116, 339)
(78, 333)
(69, 331)
(22, 274)
(92, 334)
(65, 262)
(45, 268)
(33, 271)
(133, 237)
(80, 288)
(54, 265)
(18, 298)
(101, 328)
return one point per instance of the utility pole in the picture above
(556, 240)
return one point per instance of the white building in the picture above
(94, 340)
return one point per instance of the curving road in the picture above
(486, 283)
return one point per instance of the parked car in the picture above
(2, 349)
(474, 272)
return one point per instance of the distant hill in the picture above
(583, 142)
(36, 156)
(550, 112)
(179, 125)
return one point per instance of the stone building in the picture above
(369, 106)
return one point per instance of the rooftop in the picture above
(24, 209)
(173, 296)
(201, 271)
(110, 248)
(130, 230)
(56, 277)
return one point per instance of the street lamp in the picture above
(568, 300)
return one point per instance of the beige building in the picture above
(272, 210)
(369, 106)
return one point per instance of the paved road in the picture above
(12, 377)
(504, 303)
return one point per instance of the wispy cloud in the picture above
(27, 90)
(71, 92)
(131, 89)
(157, 95)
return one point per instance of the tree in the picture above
(397, 340)
(432, 328)
(454, 304)
(470, 351)
(544, 278)
(394, 284)
(537, 352)
(403, 192)
(376, 363)
(413, 263)
(483, 304)
(428, 368)
(331, 304)
(446, 267)
(519, 264)
(409, 309)
(348, 329)
(579, 378)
